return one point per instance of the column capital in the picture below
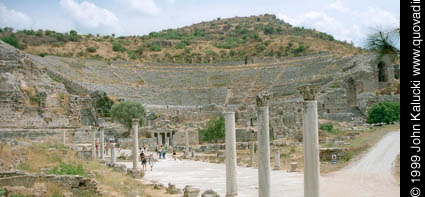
(228, 112)
(309, 91)
(101, 122)
(262, 99)
(135, 121)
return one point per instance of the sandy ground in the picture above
(369, 176)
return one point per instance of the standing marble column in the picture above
(311, 141)
(276, 159)
(102, 139)
(159, 138)
(186, 151)
(93, 146)
(251, 148)
(230, 138)
(263, 145)
(135, 151)
(113, 154)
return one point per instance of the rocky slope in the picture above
(30, 99)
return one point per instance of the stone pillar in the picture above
(113, 154)
(167, 139)
(93, 146)
(102, 139)
(159, 139)
(311, 141)
(263, 145)
(186, 151)
(64, 137)
(276, 159)
(251, 148)
(230, 138)
(135, 151)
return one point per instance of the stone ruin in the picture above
(45, 96)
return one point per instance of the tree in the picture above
(103, 106)
(384, 42)
(126, 111)
(73, 36)
(384, 112)
(214, 130)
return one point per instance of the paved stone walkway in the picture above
(370, 176)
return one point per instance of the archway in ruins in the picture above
(351, 93)
(382, 72)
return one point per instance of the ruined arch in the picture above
(351, 92)
(382, 72)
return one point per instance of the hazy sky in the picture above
(344, 19)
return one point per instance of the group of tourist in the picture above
(161, 151)
(146, 157)
(107, 147)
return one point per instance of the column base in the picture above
(231, 195)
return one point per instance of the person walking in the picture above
(165, 151)
(143, 160)
(161, 150)
(96, 143)
(174, 154)
(108, 144)
(151, 160)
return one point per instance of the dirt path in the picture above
(372, 175)
(369, 176)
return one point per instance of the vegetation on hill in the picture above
(238, 38)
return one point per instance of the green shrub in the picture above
(214, 130)
(132, 54)
(300, 50)
(182, 44)
(269, 30)
(73, 36)
(12, 40)
(155, 47)
(2, 191)
(328, 127)
(384, 112)
(68, 169)
(91, 49)
(116, 46)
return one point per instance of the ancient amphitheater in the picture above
(190, 92)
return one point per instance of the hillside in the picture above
(232, 39)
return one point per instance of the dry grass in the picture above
(360, 144)
(111, 183)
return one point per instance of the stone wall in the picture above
(68, 182)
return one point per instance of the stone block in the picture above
(210, 193)
(190, 191)
(136, 173)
